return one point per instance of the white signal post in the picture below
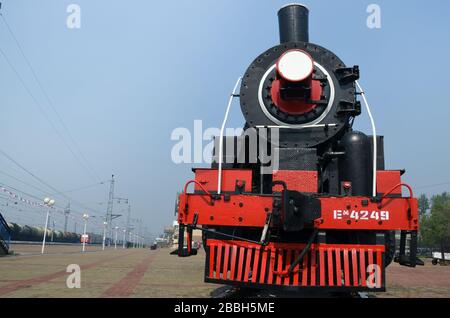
(124, 238)
(115, 240)
(104, 234)
(85, 217)
(49, 203)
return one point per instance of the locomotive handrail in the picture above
(374, 133)
(201, 186)
(411, 195)
(219, 172)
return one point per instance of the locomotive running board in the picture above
(332, 266)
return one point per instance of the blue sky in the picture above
(136, 70)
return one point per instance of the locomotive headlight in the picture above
(295, 65)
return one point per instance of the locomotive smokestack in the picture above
(293, 22)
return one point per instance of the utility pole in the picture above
(66, 216)
(45, 230)
(50, 225)
(109, 209)
(115, 240)
(104, 234)
(139, 232)
(49, 203)
(85, 217)
(127, 229)
(53, 228)
(130, 237)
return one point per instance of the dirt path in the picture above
(126, 285)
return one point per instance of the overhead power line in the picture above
(44, 91)
(42, 110)
(432, 185)
(84, 187)
(90, 172)
(45, 183)
(47, 192)
(24, 182)
(29, 172)
(21, 191)
(59, 210)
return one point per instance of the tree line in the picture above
(434, 214)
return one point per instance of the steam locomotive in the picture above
(315, 208)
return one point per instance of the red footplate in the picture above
(324, 265)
